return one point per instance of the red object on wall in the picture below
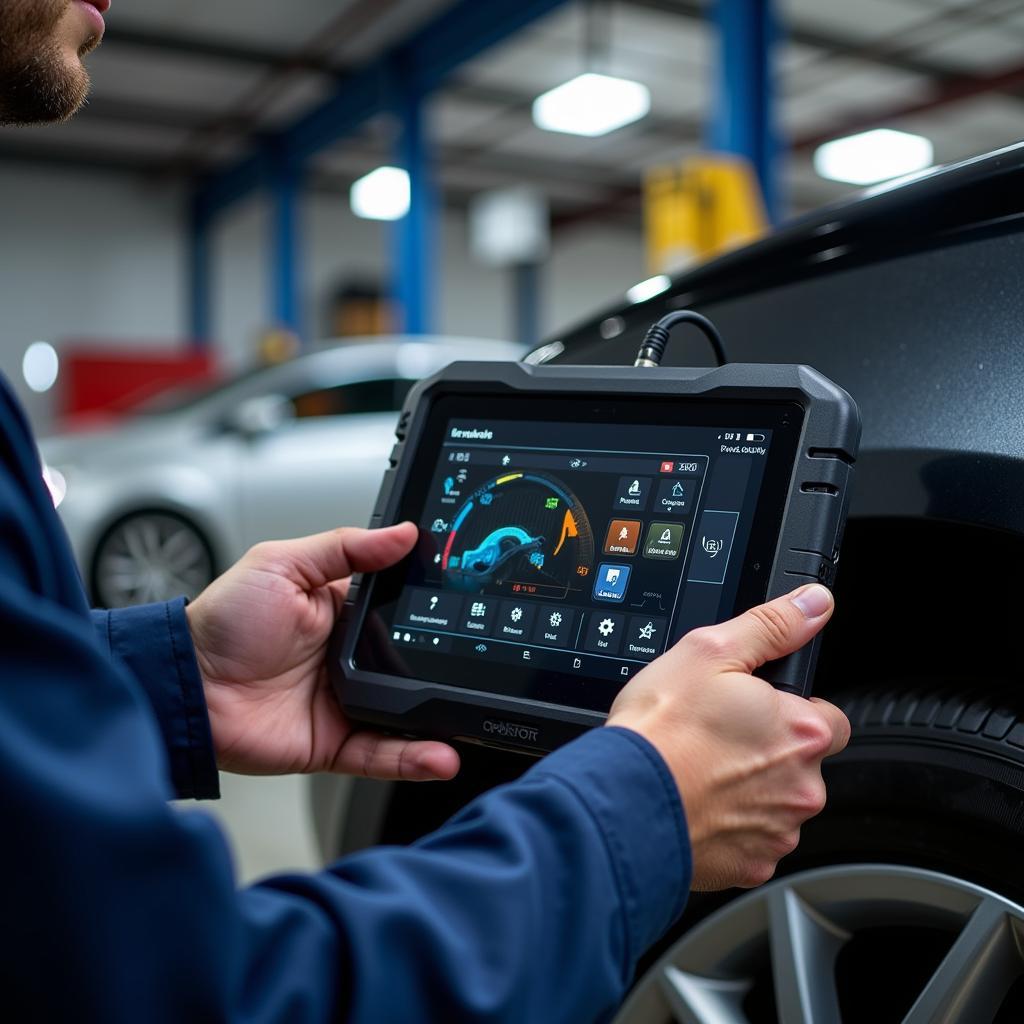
(99, 383)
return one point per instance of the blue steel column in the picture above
(415, 241)
(527, 277)
(286, 250)
(744, 118)
(199, 269)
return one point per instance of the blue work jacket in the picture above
(531, 905)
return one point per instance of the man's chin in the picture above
(52, 93)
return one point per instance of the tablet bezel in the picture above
(374, 653)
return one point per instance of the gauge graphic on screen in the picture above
(520, 528)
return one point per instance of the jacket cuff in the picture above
(154, 642)
(629, 791)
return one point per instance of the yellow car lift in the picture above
(700, 208)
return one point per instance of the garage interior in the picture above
(201, 217)
(193, 99)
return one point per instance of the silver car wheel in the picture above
(150, 557)
(803, 921)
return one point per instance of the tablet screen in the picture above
(565, 542)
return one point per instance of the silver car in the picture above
(161, 503)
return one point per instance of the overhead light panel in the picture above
(591, 105)
(648, 289)
(382, 194)
(874, 156)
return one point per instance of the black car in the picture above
(905, 900)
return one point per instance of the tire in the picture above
(150, 556)
(929, 794)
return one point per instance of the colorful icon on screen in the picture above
(611, 582)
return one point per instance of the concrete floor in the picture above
(268, 822)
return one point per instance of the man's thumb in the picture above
(768, 631)
(333, 555)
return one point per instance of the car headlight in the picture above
(56, 482)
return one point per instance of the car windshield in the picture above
(186, 396)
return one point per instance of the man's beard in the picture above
(36, 83)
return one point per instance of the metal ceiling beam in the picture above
(950, 88)
(953, 91)
(483, 156)
(189, 46)
(806, 35)
(460, 33)
(197, 48)
(193, 47)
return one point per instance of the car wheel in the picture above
(905, 900)
(148, 557)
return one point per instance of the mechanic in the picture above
(532, 904)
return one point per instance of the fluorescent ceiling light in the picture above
(382, 194)
(591, 105)
(874, 156)
(40, 366)
(648, 289)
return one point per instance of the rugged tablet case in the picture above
(807, 550)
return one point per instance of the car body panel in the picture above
(309, 456)
(910, 299)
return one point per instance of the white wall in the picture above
(86, 255)
(590, 267)
(98, 256)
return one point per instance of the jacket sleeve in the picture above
(533, 904)
(153, 642)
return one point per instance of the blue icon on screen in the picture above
(611, 582)
(449, 485)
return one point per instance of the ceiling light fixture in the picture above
(870, 157)
(591, 104)
(383, 194)
(648, 289)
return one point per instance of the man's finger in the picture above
(838, 722)
(333, 555)
(376, 756)
(766, 632)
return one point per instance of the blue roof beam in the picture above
(459, 34)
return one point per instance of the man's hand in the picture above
(746, 757)
(261, 632)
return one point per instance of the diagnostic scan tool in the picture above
(574, 523)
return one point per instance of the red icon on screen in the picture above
(667, 467)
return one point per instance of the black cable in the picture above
(653, 347)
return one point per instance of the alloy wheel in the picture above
(791, 936)
(150, 557)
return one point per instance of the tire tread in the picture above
(993, 722)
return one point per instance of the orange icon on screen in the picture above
(569, 529)
(623, 537)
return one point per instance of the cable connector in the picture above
(653, 348)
